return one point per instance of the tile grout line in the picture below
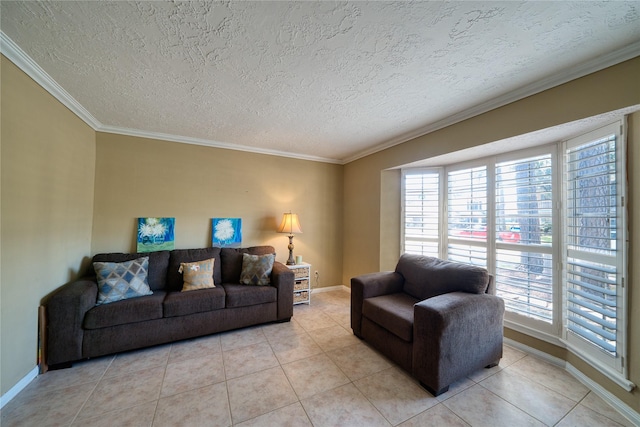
(287, 377)
(326, 353)
(226, 383)
(164, 376)
(509, 403)
(351, 381)
(92, 391)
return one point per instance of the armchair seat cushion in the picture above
(246, 295)
(126, 311)
(198, 301)
(394, 312)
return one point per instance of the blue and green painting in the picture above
(156, 234)
(226, 232)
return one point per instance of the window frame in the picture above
(403, 213)
(538, 328)
(462, 241)
(613, 367)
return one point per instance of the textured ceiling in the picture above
(323, 80)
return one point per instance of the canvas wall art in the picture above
(156, 234)
(226, 232)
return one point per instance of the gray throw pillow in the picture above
(122, 280)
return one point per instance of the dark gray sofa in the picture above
(77, 328)
(439, 320)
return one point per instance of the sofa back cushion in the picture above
(232, 260)
(158, 264)
(174, 277)
(426, 277)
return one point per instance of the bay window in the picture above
(549, 223)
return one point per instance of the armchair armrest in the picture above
(283, 279)
(65, 314)
(369, 286)
(455, 334)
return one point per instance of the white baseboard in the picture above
(13, 392)
(539, 354)
(605, 395)
(331, 288)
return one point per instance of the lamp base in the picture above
(291, 261)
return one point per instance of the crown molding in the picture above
(610, 59)
(210, 143)
(15, 54)
(23, 61)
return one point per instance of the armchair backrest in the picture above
(426, 277)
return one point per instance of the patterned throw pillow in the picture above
(122, 280)
(256, 269)
(197, 275)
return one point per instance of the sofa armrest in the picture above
(369, 286)
(283, 278)
(65, 313)
(454, 335)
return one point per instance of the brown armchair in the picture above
(439, 320)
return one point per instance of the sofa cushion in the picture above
(197, 275)
(242, 295)
(178, 256)
(183, 303)
(158, 263)
(394, 312)
(232, 261)
(125, 311)
(256, 269)
(426, 277)
(122, 280)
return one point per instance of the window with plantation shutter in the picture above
(467, 215)
(594, 267)
(421, 212)
(523, 224)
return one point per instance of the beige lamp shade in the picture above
(290, 224)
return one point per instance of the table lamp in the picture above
(290, 224)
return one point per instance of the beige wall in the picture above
(138, 177)
(370, 223)
(47, 172)
(53, 164)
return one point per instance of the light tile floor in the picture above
(311, 371)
